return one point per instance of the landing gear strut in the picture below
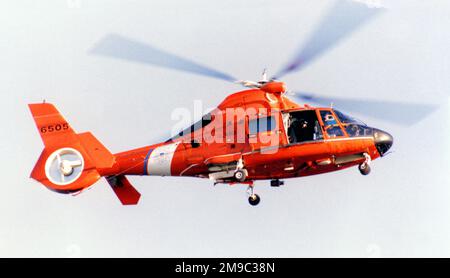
(364, 168)
(253, 198)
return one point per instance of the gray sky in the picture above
(401, 209)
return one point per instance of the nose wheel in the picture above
(364, 168)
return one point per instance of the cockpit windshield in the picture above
(346, 119)
(353, 127)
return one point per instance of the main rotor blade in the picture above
(120, 47)
(397, 112)
(340, 21)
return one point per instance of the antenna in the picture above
(264, 75)
(254, 84)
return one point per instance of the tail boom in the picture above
(71, 162)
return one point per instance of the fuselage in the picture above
(268, 134)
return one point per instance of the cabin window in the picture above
(262, 124)
(206, 120)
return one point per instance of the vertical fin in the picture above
(127, 194)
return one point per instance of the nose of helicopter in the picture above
(383, 140)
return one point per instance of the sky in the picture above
(401, 209)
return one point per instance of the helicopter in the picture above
(259, 133)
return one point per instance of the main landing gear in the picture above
(364, 168)
(240, 175)
(253, 198)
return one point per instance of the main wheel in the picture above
(364, 169)
(239, 175)
(254, 199)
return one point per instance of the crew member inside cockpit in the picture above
(330, 124)
(329, 119)
(301, 127)
(293, 130)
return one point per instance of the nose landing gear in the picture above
(364, 168)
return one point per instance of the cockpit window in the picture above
(353, 127)
(357, 130)
(330, 124)
(346, 119)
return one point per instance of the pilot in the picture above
(329, 120)
(353, 130)
(303, 131)
(304, 124)
(331, 126)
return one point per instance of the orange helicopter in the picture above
(255, 134)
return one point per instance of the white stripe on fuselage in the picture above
(160, 160)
